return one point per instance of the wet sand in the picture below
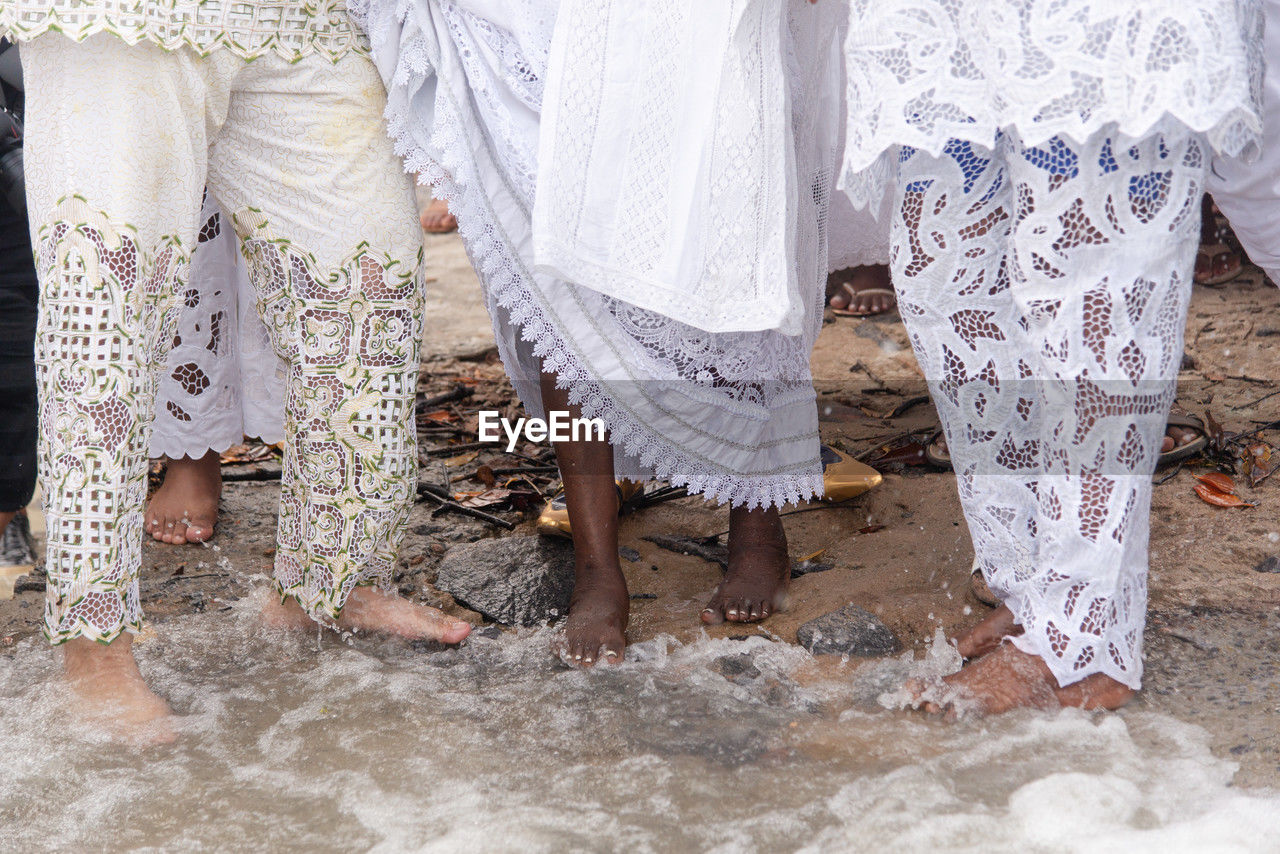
(1213, 650)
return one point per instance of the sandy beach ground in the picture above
(901, 551)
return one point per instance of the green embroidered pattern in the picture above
(291, 29)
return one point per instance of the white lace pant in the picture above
(1045, 291)
(121, 142)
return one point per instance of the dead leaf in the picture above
(488, 498)
(461, 459)
(1214, 431)
(1209, 495)
(911, 454)
(484, 474)
(1218, 482)
(1257, 463)
(440, 416)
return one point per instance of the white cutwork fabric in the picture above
(665, 144)
(334, 265)
(223, 380)
(288, 29)
(1045, 290)
(1248, 193)
(925, 72)
(728, 415)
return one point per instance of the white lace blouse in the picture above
(921, 72)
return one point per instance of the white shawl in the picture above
(688, 210)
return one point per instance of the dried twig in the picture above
(441, 496)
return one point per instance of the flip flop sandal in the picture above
(553, 521)
(1214, 251)
(843, 477)
(935, 453)
(1190, 449)
(855, 295)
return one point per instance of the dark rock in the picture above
(848, 631)
(1271, 564)
(629, 553)
(517, 581)
(736, 668)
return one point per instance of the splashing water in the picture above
(289, 742)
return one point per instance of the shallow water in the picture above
(301, 742)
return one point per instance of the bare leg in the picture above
(185, 507)
(110, 691)
(600, 607)
(5, 519)
(755, 584)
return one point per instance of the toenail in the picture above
(610, 654)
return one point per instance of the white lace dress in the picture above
(1047, 160)
(729, 415)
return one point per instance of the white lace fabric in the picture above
(925, 72)
(1045, 290)
(289, 29)
(222, 380)
(665, 143)
(731, 416)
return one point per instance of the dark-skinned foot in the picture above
(370, 610)
(596, 629)
(185, 507)
(1008, 679)
(988, 634)
(861, 292)
(755, 584)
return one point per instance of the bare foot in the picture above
(1176, 437)
(598, 614)
(371, 610)
(110, 692)
(1009, 678)
(755, 584)
(861, 292)
(436, 219)
(988, 634)
(185, 507)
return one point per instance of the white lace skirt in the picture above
(924, 72)
(728, 415)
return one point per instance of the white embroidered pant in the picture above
(223, 380)
(121, 142)
(1045, 291)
